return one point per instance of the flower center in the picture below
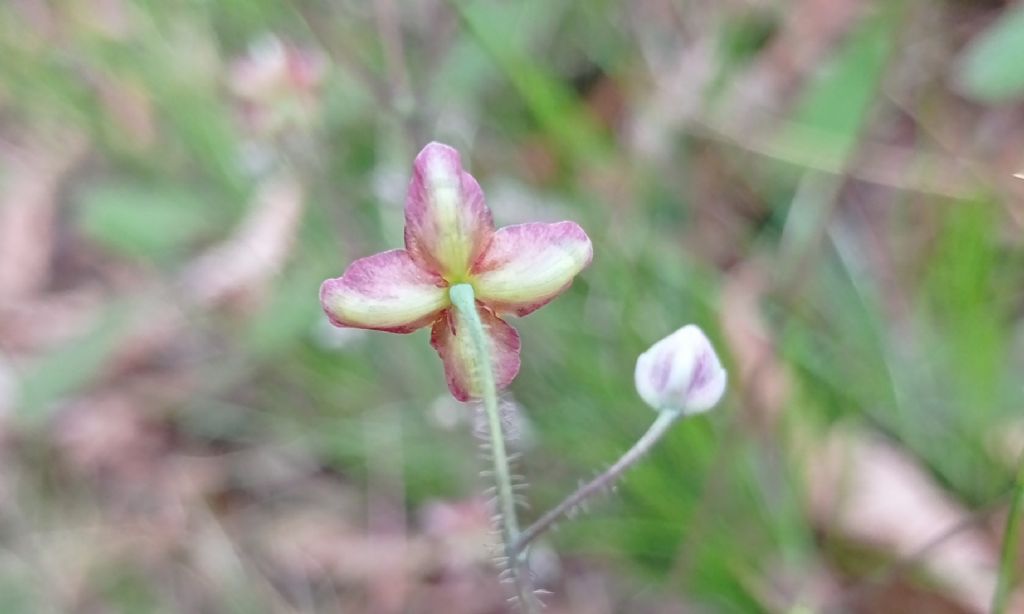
(455, 279)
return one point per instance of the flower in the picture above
(450, 239)
(278, 85)
(681, 373)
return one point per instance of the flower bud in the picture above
(681, 373)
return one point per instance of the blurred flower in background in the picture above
(278, 85)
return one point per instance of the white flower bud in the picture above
(681, 373)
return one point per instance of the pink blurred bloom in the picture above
(278, 84)
(450, 239)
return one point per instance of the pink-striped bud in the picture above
(681, 373)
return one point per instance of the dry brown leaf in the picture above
(870, 491)
(109, 433)
(760, 373)
(37, 324)
(462, 531)
(242, 266)
(316, 544)
(31, 179)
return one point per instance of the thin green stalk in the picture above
(657, 430)
(465, 302)
(1011, 538)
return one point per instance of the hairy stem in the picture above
(1011, 538)
(602, 482)
(464, 300)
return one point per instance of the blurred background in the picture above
(826, 186)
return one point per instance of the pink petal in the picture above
(455, 346)
(527, 265)
(386, 291)
(447, 223)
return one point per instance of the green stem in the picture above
(465, 302)
(1011, 538)
(601, 483)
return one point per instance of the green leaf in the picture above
(64, 370)
(835, 106)
(140, 220)
(554, 106)
(990, 68)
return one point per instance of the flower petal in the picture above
(527, 265)
(447, 223)
(386, 291)
(453, 343)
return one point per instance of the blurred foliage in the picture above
(990, 71)
(805, 180)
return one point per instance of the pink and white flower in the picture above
(450, 239)
(681, 373)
